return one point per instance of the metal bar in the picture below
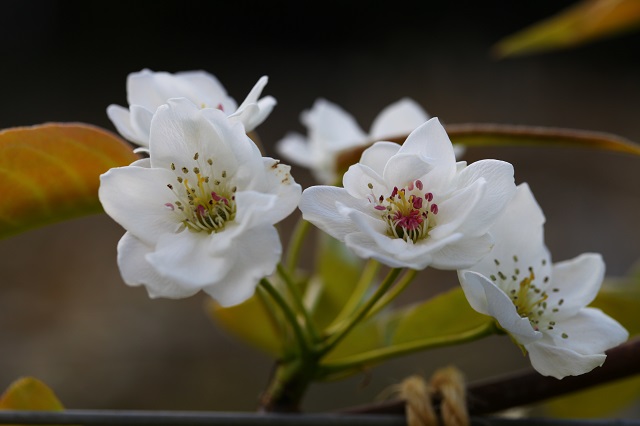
(189, 418)
(203, 418)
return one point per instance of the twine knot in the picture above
(447, 385)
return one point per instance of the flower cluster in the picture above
(200, 213)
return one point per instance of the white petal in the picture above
(332, 126)
(459, 150)
(550, 360)
(119, 116)
(518, 232)
(377, 155)
(401, 169)
(137, 271)
(141, 121)
(143, 162)
(258, 252)
(258, 208)
(590, 331)
(205, 90)
(277, 180)
(262, 108)
(373, 241)
(151, 89)
(398, 119)
(498, 305)
(431, 141)
(357, 179)
(179, 130)
(295, 148)
(135, 197)
(185, 258)
(458, 212)
(462, 254)
(318, 206)
(473, 288)
(500, 188)
(367, 248)
(578, 281)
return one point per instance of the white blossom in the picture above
(412, 205)
(147, 90)
(331, 131)
(199, 212)
(542, 306)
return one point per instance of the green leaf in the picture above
(51, 172)
(252, 322)
(600, 401)
(366, 336)
(476, 135)
(586, 21)
(447, 314)
(28, 393)
(620, 299)
(338, 272)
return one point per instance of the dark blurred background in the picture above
(67, 318)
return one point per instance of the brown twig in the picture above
(530, 387)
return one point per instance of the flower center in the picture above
(409, 212)
(530, 299)
(203, 202)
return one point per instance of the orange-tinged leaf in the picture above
(28, 393)
(51, 172)
(586, 21)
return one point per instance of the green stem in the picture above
(289, 315)
(299, 303)
(368, 274)
(394, 292)
(382, 354)
(342, 329)
(276, 320)
(295, 244)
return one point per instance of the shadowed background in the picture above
(67, 318)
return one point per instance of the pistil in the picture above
(409, 212)
(207, 204)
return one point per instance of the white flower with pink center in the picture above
(147, 90)
(331, 130)
(412, 205)
(200, 211)
(542, 306)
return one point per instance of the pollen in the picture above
(529, 296)
(409, 211)
(205, 200)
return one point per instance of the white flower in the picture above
(542, 306)
(199, 213)
(412, 205)
(147, 90)
(332, 130)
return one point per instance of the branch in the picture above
(530, 387)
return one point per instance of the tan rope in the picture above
(448, 384)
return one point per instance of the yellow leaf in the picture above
(586, 21)
(28, 393)
(251, 322)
